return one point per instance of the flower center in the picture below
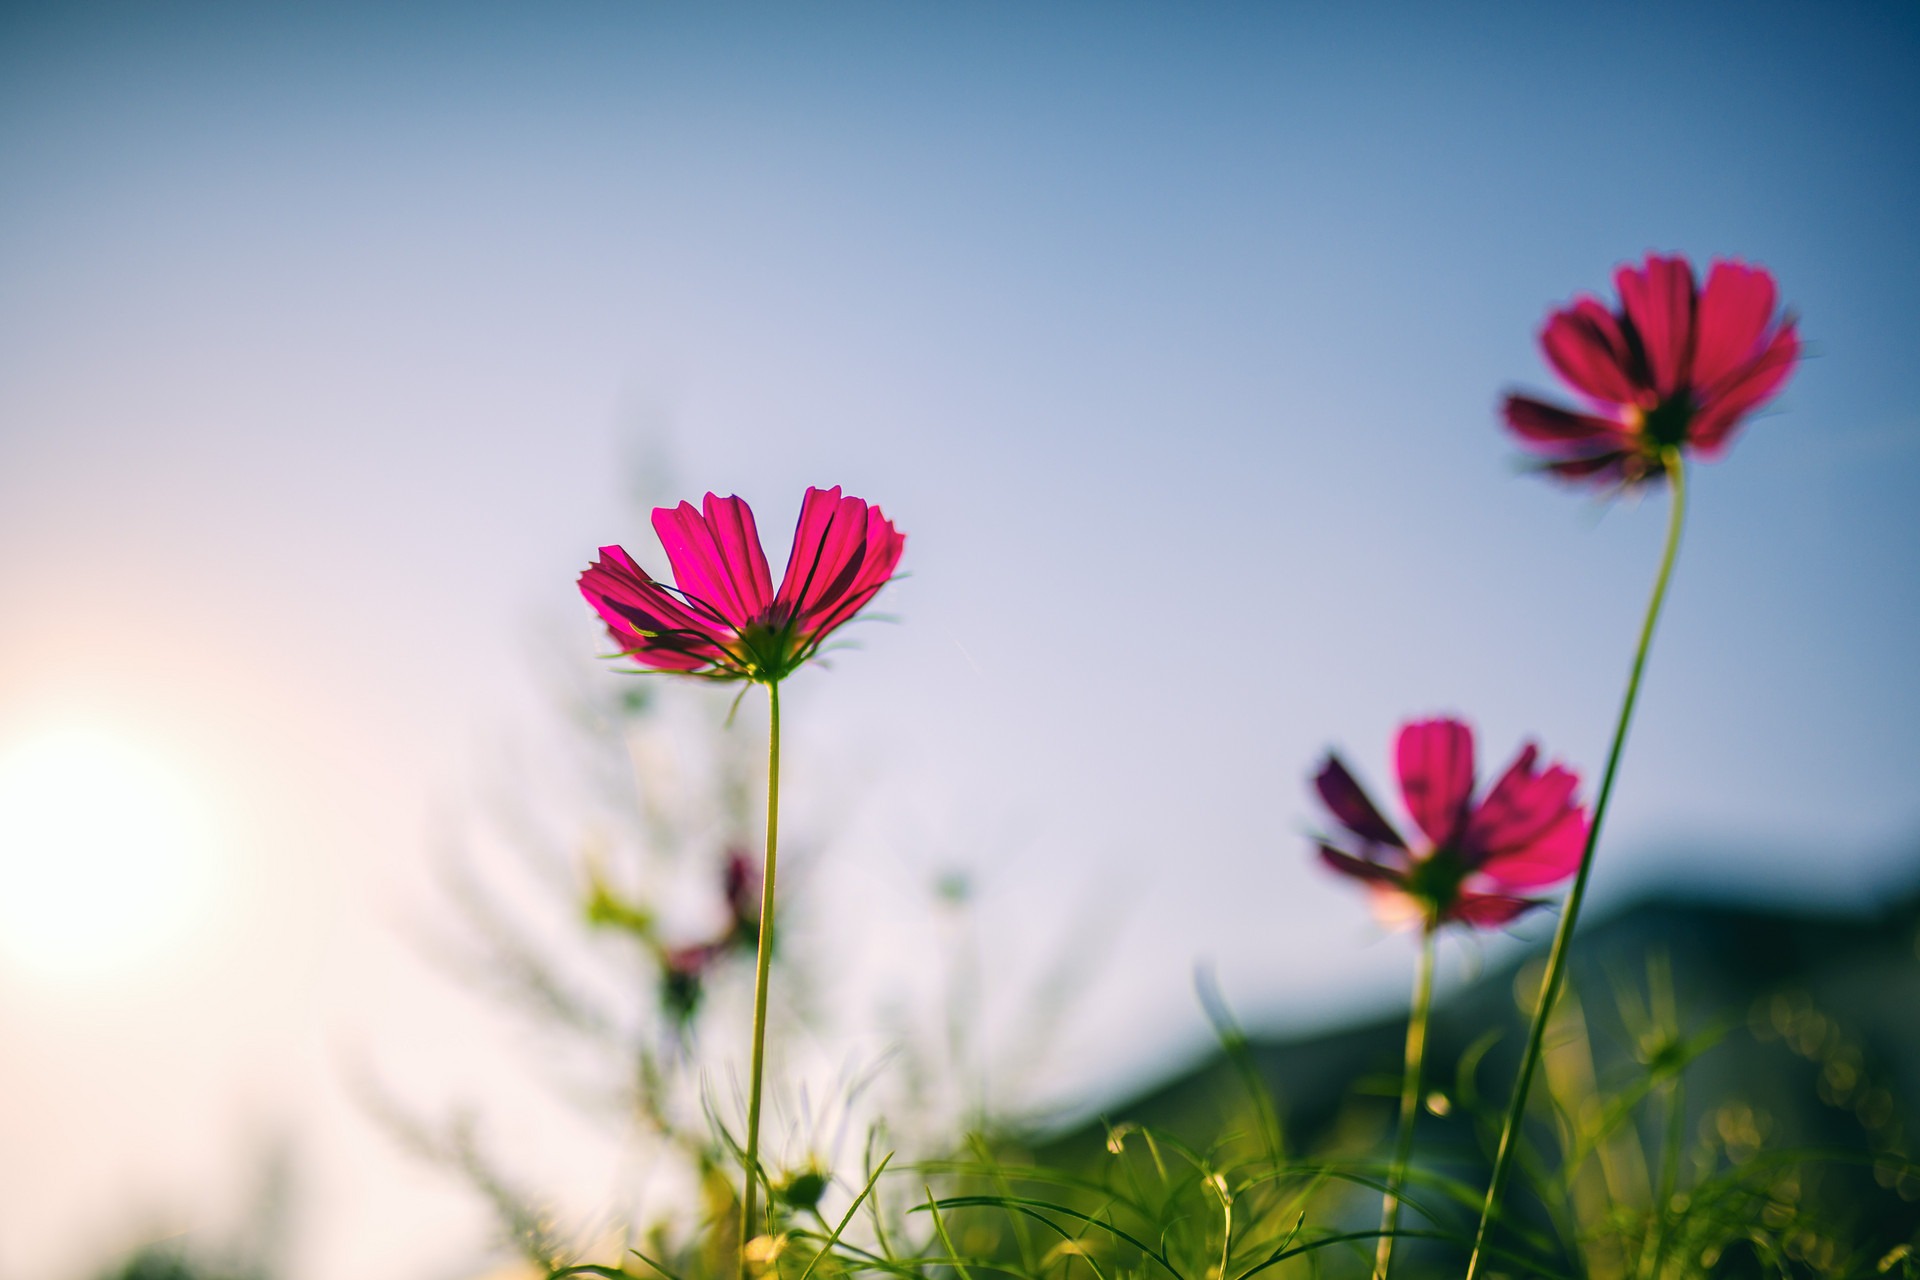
(1436, 879)
(764, 652)
(1665, 425)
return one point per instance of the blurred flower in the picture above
(722, 619)
(683, 977)
(741, 883)
(1676, 367)
(1525, 833)
(802, 1188)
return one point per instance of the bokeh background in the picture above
(333, 339)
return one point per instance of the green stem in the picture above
(761, 966)
(1409, 1104)
(1669, 1174)
(1557, 957)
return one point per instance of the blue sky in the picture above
(1171, 337)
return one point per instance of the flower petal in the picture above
(1538, 423)
(1349, 803)
(691, 961)
(880, 556)
(1435, 760)
(1489, 910)
(819, 511)
(1743, 391)
(843, 553)
(1735, 308)
(1600, 470)
(1372, 873)
(741, 882)
(1658, 301)
(1548, 858)
(1585, 345)
(1518, 808)
(716, 557)
(643, 617)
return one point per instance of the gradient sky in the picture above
(1170, 336)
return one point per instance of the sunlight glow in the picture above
(105, 854)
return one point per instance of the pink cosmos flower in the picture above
(1676, 367)
(1526, 832)
(722, 619)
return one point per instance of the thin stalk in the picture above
(1669, 1174)
(748, 1211)
(1557, 957)
(1409, 1103)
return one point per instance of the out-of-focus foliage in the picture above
(1724, 1093)
(256, 1249)
(1728, 1093)
(608, 901)
(1670, 1141)
(170, 1262)
(602, 899)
